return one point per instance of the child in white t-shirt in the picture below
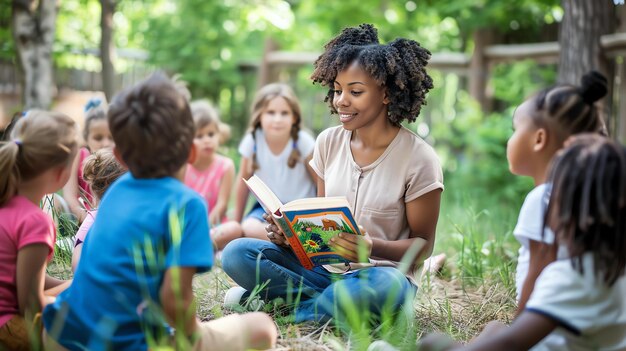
(541, 125)
(578, 303)
(275, 150)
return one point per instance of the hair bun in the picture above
(593, 86)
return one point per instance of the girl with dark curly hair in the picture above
(390, 176)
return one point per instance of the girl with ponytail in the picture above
(35, 160)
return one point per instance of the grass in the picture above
(476, 286)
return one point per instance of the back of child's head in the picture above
(94, 111)
(261, 100)
(587, 208)
(39, 141)
(399, 66)
(100, 170)
(566, 110)
(204, 114)
(152, 127)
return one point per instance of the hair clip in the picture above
(18, 142)
(254, 148)
(92, 103)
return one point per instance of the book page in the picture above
(314, 203)
(264, 194)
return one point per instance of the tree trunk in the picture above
(33, 32)
(107, 49)
(583, 23)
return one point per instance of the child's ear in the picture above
(118, 157)
(385, 97)
(541, 139)
(193, 153)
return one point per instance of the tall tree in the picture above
(107, 48)
(583, 23)
(33, 25)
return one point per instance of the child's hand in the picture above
(355, 248)
(437, 342)
(214, 218)
(274, 233)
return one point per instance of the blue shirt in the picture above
(143, 227)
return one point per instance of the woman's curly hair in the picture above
(399, 66)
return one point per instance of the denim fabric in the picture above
(320, 295)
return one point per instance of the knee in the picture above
(233, 255)
(263, 331)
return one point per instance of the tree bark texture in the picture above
(584, 21)
(33, 25)
(107, 49)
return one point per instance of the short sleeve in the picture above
(531, 217)
(192, 247)
(318, 163)
(246, 146)
(562, 295)
(37, 228)
(306, 143)
(425, 176)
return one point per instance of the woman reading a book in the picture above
(390, 176)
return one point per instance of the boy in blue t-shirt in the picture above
(150, 237)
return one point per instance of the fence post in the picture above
(479, 68)
(266, 71)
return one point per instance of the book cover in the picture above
(308, 223)
(313, 229)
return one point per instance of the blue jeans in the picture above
(317, 293)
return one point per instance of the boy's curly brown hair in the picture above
(399, 66)
(152, 127)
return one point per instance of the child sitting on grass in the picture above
(577, 302)
(212, 174)
(146, 244)
(35, 160)
(100, 170)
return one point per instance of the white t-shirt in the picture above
(590, 314)
(529, 227)
(287, 183)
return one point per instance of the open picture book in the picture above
(308, 223)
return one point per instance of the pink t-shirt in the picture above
(207, 182)
(22, 223)
(83, 187)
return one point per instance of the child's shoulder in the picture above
(539, 195)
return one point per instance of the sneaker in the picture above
(381, 345)
(234, 299)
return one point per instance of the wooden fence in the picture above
(614, 48)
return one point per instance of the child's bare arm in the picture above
(221, 206)
(71, 191)
(242, 190)
(422, 215)
(541, 255)
(31, 267)
(309, 169)
(178, 300)
(527, 330)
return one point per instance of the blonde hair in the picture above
(100, 170)
(205, 114)
(261, 100)
(39, 141)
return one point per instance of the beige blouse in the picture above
(378, 193)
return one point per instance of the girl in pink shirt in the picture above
(35, 161)
(211, 174)
(97, 136)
